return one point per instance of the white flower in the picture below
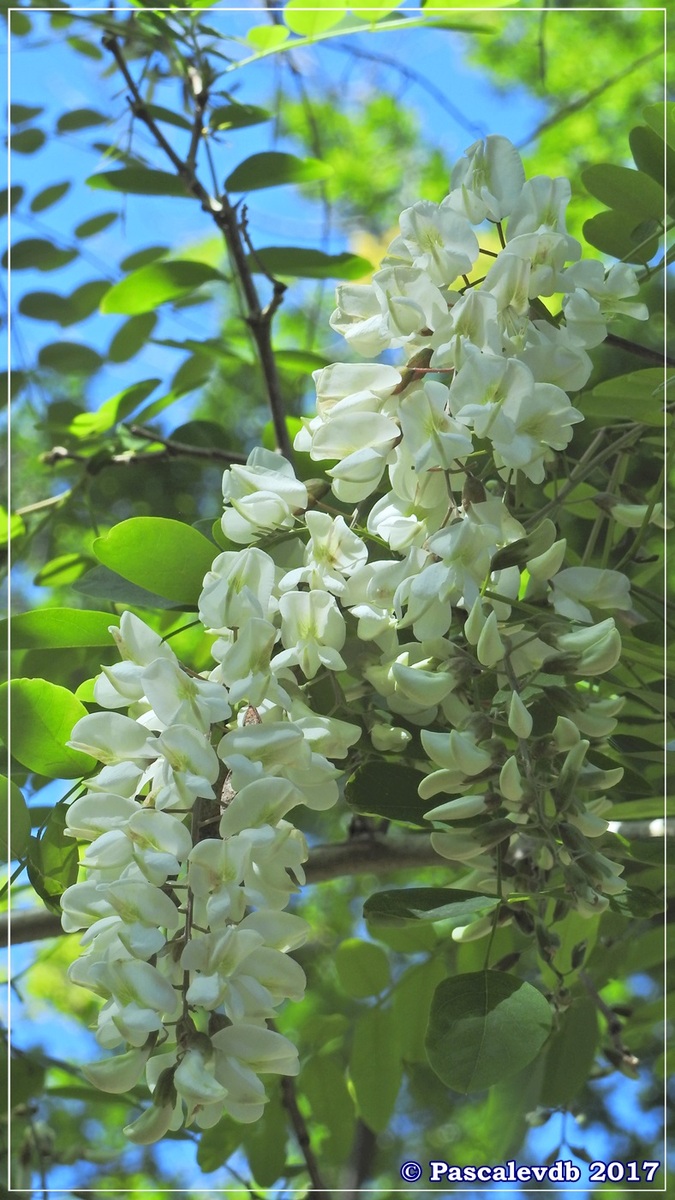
(488, 180)
(238, 586)
(313, 632)
(409, 301)
(264, 495)
(434, 439)
(245, 665)
(180, 699)
(575, 587)
(333, 553)
(439, 241)
(112, 738)
(358, 317)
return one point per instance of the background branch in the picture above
(375, 853)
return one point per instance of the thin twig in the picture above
(175, 447)
(575, 105)
(299, 1124)
(224, 215)
(656, 356)
(416, 77)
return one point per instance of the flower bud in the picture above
(520, 721)
(490, 648)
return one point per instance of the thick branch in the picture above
(374, 854)
(224, 215)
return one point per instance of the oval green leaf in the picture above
(298, 262)
(375, 1066)
(93, 424)
(273, 168)
(131, 337)
(15, 817)
(405, 905)
(69, 358)
(144, 290)
(308, 22)
(53, 859)
(27, 141)
(48, 196)
(238, 116)
(139, 181)
(42, 717)
(80, 118)
(388, 790)
(623, 188)
(484, 1027)
(362, 967)
(159, 554)
(614, 233)
(39, 254)
(570, 1056)
(52, 627)
(95, 224)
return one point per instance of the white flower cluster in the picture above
(428, 618)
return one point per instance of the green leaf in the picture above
(484, 1027)
(100, 582)
(10, 198)
(92, 424)
(11, 526)
(80, 118)
(218, 1143)
(362, 967)
(131, 337)
(95, 225)
(638, 396)
(27, 141)
(14, 815)
(49, 627)
(141, 258)
(264, 1141)
(388, 790)
(20, 113)
(412, 1000)
(42, 717)
(238, 116)
(570, 1055)
(159, 113)
(64, 310)
(267, 37)
(638, 901)
(139, 181)
(375, 1066)
(661, 118)
(161, 555)
(273, 168)
(48, 196)
(63, 569)
(38, 254)
(402, 906)
(144, 290)
(632, 192)
(613, 233)
(323, 1082)
(88, 49)
(650, 153)
(310, 21)
(300, 263)
(53, 859)
(69, 358)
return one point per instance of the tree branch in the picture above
(655, 356)
(134, 458)
(290, 1103)
(375, 853)
(259, 319)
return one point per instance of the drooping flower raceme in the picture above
(454, 637)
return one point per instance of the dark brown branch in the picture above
(224, 215)
(290, 1103)
(135, 458)
(656, 356)
(178, 448)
